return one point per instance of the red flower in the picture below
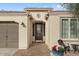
(54, 47)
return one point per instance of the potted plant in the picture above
(58, 50)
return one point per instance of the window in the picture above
(73, 28)
(40, 27)
(64, 28)
(69, 28)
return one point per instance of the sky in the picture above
(21, 6)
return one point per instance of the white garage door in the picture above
(8, 35)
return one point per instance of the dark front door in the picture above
(39, 31)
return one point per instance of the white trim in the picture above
(69, 28)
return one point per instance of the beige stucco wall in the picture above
(53, 33)
(29, 31)
(53, 30)
(22, 31)
(41, 18)
(47, 33)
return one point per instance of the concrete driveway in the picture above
(7, 51)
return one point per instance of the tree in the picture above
(72, 7)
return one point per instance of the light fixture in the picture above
(30, 16)
(47, 16)
(23, 24)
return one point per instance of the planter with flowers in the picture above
(58, 50)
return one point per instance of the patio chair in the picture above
(67, 48)
(75, 47)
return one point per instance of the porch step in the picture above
(39, 41)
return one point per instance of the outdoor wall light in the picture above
(30, 16)
(23, 24)
(47, 16)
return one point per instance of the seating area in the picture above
(67, 50)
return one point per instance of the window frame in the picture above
(70, 27)
(69, 18)
(62, 28)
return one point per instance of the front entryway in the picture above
(8, 35)
(39, 31)
(36, 49)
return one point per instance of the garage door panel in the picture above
(8, 35)
(3, 29)
(12, 35)
(12, 45)
(13, 41)
(13, 38)
(2, 44)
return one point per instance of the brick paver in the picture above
(72, 53)
(36, 49)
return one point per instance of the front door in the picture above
(39, 31)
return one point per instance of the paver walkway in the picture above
(36, 49)
(71, 53)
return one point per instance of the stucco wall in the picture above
(53, 30)
(29, 31)
(41, 16)
(53, 33)
(22, 31)
(47, 33)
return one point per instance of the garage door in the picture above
(8, 35)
